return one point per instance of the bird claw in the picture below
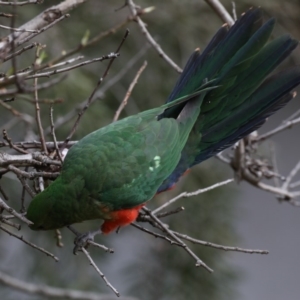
(83, 240)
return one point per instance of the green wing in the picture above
(123, 166)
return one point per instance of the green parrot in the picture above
(222, 95)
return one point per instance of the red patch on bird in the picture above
(121, 218)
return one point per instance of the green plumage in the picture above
(220, 97)
(116, 167)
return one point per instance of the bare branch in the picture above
(40, 23)
(30, 159)
(37, 106)
(53, 292)
(89, 100)
(90, 61)
(11, 144)
(234, 11)
(21, 238)
(150, 39)
(34, 145)
(290, 177)
(217, 246)
(21, 175)
(129, 91)
(18, 29)
(284, 126)
(156, 235)
(99, 272)
(170, 212)
(28, 89)
(195, 193)
(28, 47)
(96, 38)
(3, 194)
(9, 223)
(53, 134)
(3, 205)
(21, 3)
(221, 11)
(68, 116)
(199, 262)
(31, 175)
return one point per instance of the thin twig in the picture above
(155, 234)
(274, 164)
(89, 101)
(106, 249)
(286, 125)
(234, 11)
(222, 158)
(96, 38)
(32, 175)
(15, 3)
(292, 116)
(41, 101)
(62, 63)
(23, 209)
(290, 177)
(16, 112)
(28, 72)
(53, 134)
(57, 71)
(21, 238)
(11, 144)
(37, 106)
(31, 36)
(217, 246)
(221, 11)
(150, 39)
(3, 193)
(295, 184)
(40, 22)
(20, 174)
(129, 91)
(29, 89)
(191, 194)
(18, 52)
(5, 15)
(100, 93)
(18, 29)
(13, 212)
(170, 212)
(199, 262)
(99, 272)
(52, 292)
(30, 159)
(9, 223)
(35, 145)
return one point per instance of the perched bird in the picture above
(221, 96)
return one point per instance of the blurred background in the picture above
(235, 215)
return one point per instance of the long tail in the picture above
(238, 60)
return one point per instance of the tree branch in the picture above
(53, 292)
(44, 19)
(221, 11)
(150, 39)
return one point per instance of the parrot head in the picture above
(41, 214)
